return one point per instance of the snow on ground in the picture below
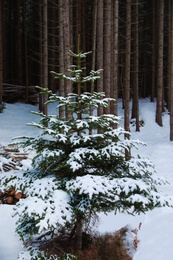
(156, 232)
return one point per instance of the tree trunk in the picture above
(171, 74)
(1, 51)
(135, 104)
(114, 92)
(67, 42)
(169, 55)
(100, 48)
(67, 47)
(107, 52)
(154, 44)
(78, 235)
(95, 12)
(45, 53)
(159, 106)
(127, 73)
(40, 54)
(61, 57)
(20, 71)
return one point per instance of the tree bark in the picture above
(45, 54)
(100, 48)
(61, 57)
(1, 51)
(171, 74)
(154, 44)
(127, 73)
(78, 235)
(107, 52)
(135, 102)
(114, 92)
(159, 105)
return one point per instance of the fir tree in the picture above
(77, 174)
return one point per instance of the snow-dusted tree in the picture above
(77, 174)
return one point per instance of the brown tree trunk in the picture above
(61, 56)
(135, 104)
(159, 106)
(78, 235)
(154, 44)
(95, 12)
(100, 48)
(67, 47)
(169, 55)
(20, 71)
(107, 52)
(45, 53)
(171, 74)
(114, 89)
(1, 51)
(127, 73)
(40, 55)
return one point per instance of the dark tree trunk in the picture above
(171, 74)
(45, 53)
(1, 51)
(127, 73)
(107, 52)
(135, 104)
(100, 48)
(159, 106)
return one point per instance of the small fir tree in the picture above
(77, 174)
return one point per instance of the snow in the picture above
(156, 226)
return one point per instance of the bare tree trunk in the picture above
(135, 104)
(20, 71)
(95, 12)
(67, 47)
(169, 54)
(45, 54)
(40, 30)
(114, 105)
(25, 47)
(1, 51)
(107, 52)
(159, 105)
(100, 48)
(127, 73)
(154, 40)
(61, 57)
(171, 74)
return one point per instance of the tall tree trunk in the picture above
(107, 52)
(159, 106)
(135, 104)
(61, 57)
(40, 54)
(1, 51)
(25, 48)
(20, 71)
(67, 42)
(127, 73)
(171, 74)
(100, 48)
(67, 47)
(45, 54)
(169, 57)
(114, 89)
(95, 12)
(154, 44)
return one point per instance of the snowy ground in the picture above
(156, 233)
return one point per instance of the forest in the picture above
(130, 40)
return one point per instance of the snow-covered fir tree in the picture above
(79, 170)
